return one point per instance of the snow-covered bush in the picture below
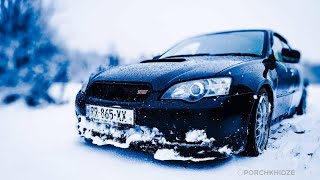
(29, 59)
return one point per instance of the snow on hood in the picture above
(163, 74)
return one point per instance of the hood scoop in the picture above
(164, 60)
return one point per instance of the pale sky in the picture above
(136, 27)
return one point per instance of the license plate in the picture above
(110, 115)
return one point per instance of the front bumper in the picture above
(163, 124)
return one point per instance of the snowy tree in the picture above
(113, 59)
(29, 59)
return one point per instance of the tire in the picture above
(302, 108)
(259, 125)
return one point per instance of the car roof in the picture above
(243, 30)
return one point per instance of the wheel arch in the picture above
(271, 94)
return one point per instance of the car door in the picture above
(295, 81)
(283, 91)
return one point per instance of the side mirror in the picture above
(290, 56)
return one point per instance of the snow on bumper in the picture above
(152, 139)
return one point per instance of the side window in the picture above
(285, 45)
(277, 48)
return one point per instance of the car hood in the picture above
(163, 74)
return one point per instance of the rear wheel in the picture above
(259, 126)
(302, 108)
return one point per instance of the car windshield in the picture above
(247, 43)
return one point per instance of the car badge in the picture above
(141, 91)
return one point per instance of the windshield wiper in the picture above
(187, 55)
(164, 60)
(236, 54)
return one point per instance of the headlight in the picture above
(192, 91)
(84, 85)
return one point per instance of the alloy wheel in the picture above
(262, 123)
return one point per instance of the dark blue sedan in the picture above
(209, 96)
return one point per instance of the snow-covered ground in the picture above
(43, 144)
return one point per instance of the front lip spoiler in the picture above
(150, 140)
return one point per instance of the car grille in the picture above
(125, 92)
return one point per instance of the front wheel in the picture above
(259, 125)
